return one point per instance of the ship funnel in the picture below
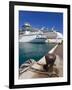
(53, 28)
(42, 28)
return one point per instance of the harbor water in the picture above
(33, 51)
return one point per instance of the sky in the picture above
(40, 19)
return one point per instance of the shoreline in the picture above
(42, 60)
(36, 70)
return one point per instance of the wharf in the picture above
(36, 70)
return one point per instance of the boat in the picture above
(30, 34)
(32, 37)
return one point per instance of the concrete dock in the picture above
(36, 69)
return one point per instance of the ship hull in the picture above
(39, 40)
(31, 38)
(27, 38)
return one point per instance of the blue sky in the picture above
(40, 19)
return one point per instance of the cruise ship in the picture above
(30, 34)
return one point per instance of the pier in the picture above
(36, 70)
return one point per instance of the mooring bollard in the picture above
(50, 59)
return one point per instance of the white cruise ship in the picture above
(28, 34)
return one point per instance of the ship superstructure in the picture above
(29, 34)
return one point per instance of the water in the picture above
(33, 51)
